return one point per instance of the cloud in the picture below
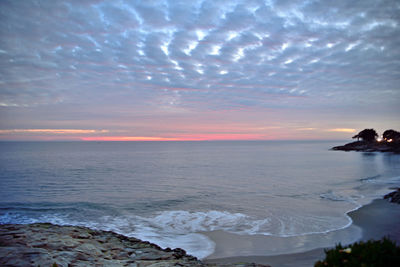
(306, 129)
(292, 55)
(342, 130)
(52, 131)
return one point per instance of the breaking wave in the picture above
(184, 229)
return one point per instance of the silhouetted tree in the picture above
(392, 135)
(368, 135)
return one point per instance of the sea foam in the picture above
(184, 229)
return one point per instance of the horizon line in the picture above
(179, 140)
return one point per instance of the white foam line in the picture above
(181, 228)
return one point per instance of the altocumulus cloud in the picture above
(200, 55)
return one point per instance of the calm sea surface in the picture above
(171, 192)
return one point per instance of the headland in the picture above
(364, 146)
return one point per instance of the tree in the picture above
(368, 135)
(392, 135)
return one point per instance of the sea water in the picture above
(171, 193)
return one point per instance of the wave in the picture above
(195, 244)
(335, 196)
(184, 229)
(387, 181)
(371, 178)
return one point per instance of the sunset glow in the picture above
(193, 133)
(127, 138)
(209, 137)
(342, 130)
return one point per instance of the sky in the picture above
(198, 69)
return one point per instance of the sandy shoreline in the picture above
(373, 221)
(44, 244)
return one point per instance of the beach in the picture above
(44, 244)
(373, 221)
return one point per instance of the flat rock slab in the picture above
(44, 244)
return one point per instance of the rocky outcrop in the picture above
(370, 147)
(394, 196)
(45, 244)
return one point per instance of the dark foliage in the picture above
(368, 135)
(391, 135)
(383, 253)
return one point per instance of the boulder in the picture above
(394, 196)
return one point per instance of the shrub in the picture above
(366, 254)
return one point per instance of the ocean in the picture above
(174, 193)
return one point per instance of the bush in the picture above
(366, 254)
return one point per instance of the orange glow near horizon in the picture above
(342, 130)
(127, 138)
(191, 133)
(200, 137)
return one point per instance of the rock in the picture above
(394, 196)
(46, 244)
(369, 147)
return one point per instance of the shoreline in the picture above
(45, 244)
(24, 243)
(374, 221)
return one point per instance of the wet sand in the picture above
(373, 221)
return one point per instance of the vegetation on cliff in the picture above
(381, 253)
